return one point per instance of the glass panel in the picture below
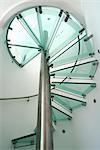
(32, 147)
(20, 44)
(75, 53)
(57, 115)
(30, 17)
(23, 55)
(66, 102)
(68, 56)
(49, 18)
(26, 141)
(85, 70)
(66, 33)
(81, 89)
(18, 35)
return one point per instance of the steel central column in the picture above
(44, 121)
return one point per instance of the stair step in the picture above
(63, 93)
(69, 65)
(72, 46)
(59, 116)
(71, 80)
(67, 103)
(25, 141)
(63, 31)
(81, 87)
(61, 108)
(83, 68)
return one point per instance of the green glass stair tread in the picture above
(66, 102)
(84, 70)
(65, 57)
(58, 106)
(73, 53)
(27, 147)
(57, 115)
(24, 55)
(21, 37)
(74, 80)
(67, 31)
(25, 141)
(28, 29)
(53, 52)
(78, 79)
(45, 21)
(49, 18)
(18, 35)
(66, 94)
(80, 89)
(66, 47)
(86, 47)
(30, 16)
(88, 60)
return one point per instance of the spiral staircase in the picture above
(69, 54)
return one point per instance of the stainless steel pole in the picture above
(44, 121)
